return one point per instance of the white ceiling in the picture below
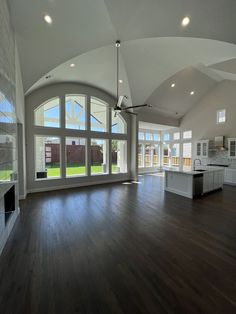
(155, 50)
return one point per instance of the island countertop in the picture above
(194, 172)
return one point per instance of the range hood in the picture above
(219, 143)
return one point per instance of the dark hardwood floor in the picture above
(121, 249)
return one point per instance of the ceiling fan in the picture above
(119, 108)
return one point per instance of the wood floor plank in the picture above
(121, 249)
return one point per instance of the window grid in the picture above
(170, 149)
(81, 129)
(149, 149)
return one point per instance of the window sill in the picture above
(77, 176)
(48, 179)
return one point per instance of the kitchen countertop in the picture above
(192, 172)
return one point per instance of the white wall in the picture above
(202, 118)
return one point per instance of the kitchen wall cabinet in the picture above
(232, 148)
(202, 148)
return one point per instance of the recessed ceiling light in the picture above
(48, 19)
(192, 93)
(117, 43)
(120, 81)
(173, 85)
(185, 21)
(72, 65)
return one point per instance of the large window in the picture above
(170, 148)
(118, 124)
(119, 156)
(176, 136)
(166, 155)
(76, 149)
(140, 155)
(75, 156)
(149, 149)
(166, 136)
(175, 154)
(75, 112)
(140, 135)
(148, 155)
(48, 114)
(99, 156)
(187, 156)
(47, 157)
(187, 135)
(149, 136)
(156, 137)
(156, 155)
(98, 115)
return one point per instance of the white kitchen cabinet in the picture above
(218, 180)
(213, 180)
(230, 176)
(232, 148)
(202, 148)
(206, 182)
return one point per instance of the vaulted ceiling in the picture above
(156, 50)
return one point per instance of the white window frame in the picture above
(51, 178)
(86, 164)
(218, 116)
(188, 137)
(62, 133)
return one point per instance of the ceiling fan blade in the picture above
(138, 106)
(120, 101)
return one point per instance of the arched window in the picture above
(98, 115)
(48, 114)
(75, 110)
(78, 149)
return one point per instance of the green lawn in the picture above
(55, 172)
(5, 175)
(72, 171)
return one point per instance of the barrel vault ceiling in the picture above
(156, 50)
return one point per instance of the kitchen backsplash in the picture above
(220, 157)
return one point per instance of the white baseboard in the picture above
(71, 186)
(22, 197)
(147, 171)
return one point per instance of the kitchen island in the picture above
(193, 183)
